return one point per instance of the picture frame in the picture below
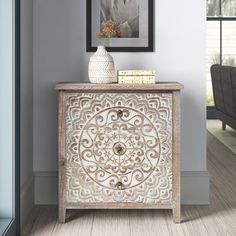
(135, 27)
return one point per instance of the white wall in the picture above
(27, 177)
(60, 55)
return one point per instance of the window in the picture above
(9, 119)
(221, 37)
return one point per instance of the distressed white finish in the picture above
(118, 148)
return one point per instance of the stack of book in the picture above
(136, 77)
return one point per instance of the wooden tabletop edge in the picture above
(115, 86)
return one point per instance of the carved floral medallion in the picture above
(118, 147)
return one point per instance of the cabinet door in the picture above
(118, 148)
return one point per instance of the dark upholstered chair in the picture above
(224, 92)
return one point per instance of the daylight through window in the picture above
(221, 37)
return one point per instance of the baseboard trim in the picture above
(27, 199)
(195, 188)
(194, 191)
(45, 187)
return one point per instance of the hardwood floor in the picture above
(217, 219)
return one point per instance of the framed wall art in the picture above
(120, 25)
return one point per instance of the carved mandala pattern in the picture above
(118, 148)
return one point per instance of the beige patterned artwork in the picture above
(118, 147)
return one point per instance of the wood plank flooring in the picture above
(217, 219)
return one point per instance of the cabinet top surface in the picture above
(115, 87)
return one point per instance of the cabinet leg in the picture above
(177, 214)
(62, 215)
(223, 126)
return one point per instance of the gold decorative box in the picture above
(136, 77)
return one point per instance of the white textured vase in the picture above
(101, 67)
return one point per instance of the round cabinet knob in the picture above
(119, 149)
(119, 113)
(119, 185)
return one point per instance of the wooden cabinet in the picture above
(119, 146)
